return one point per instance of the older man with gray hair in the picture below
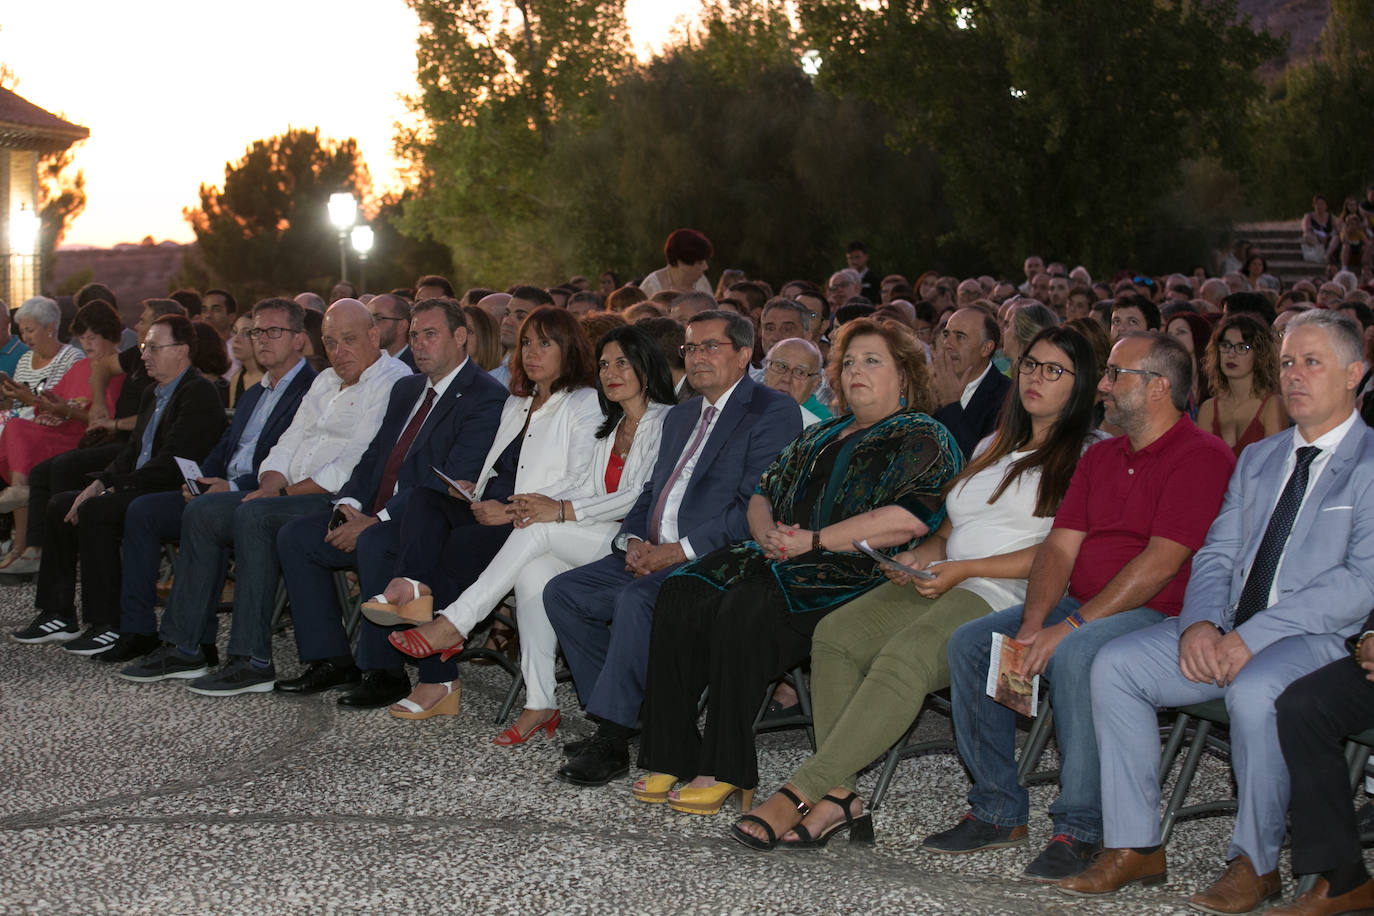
(844, 285)
(793, 366)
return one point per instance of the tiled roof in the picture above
(23, 125)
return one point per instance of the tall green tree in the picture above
(266, 230)
(501, 82)
(1059, 124)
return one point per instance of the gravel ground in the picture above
(145, 798)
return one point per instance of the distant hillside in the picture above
(134, 272)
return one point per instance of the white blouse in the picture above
(599, 506)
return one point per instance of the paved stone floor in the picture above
(145, 798)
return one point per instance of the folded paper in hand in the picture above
(1007, 681)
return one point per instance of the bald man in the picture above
(793, 366)
(316, 455)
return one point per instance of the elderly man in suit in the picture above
(968, 385)
(445, 418)
(713, 450)
(264, 412)
(180, 416)
(1286, 573)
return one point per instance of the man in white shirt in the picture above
(336, 420)
(968, 386)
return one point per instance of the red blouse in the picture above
(614, 468)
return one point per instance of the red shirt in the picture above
(615, 466)
(1121, 498)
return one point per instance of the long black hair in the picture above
(649, 365)
(1058, 457)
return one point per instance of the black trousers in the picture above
(1315, 714)
(58, 474)
(736, 642)
(95, 540)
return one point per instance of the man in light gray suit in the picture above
(1275, 590)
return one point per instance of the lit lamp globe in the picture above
(362, 240)
(24, 226)
(343, 210)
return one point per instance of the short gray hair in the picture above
(738, 328)
(791, 305)
(40, 309)
(848, 275)
(1343, 331)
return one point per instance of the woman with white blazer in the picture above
(556, 533)
(544, 444)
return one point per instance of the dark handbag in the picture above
(92, 438)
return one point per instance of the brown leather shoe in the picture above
(1316, 903)
(1238, 890)
(1113, 870)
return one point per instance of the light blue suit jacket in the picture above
(1325, 581)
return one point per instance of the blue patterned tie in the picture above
(1254, 597)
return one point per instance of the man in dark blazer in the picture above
(968, 385)
(180, 417)
(454, 435)
(261, 415)
(713, 450)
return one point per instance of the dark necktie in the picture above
(1254, 597)
(656, 519)
(398, 454)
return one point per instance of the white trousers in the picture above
(526, 562)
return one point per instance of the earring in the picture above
(903, 400)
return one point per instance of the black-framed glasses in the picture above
(271, 333)
(1114, 372)
(800, 373)
(1226, 346)
(706, 346)
(1050, 372)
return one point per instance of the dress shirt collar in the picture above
(720, 402)
(163, 392)
(1328, 440)
(442, 385)
(972, 386)
(291, 373)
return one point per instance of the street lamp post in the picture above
(24, 229)
(343, 212)
(362, 243)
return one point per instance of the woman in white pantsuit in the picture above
(553, 536)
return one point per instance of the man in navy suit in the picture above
(970, 388)
(1285, 575)
(262, 415)
(453, 435)
(713, 450)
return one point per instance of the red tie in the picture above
(398, 454)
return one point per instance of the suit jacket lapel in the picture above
(730, 418)
(1333, 474)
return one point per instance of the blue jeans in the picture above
(210, 525)
(985, 730)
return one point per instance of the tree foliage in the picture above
(61, 199)
(266, 230)
(1059, 124)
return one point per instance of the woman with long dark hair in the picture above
(543, 444)
(1242, 365)
(874, 660)
(554, 535)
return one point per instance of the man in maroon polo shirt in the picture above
(1121, 546)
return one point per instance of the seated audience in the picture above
(874, 660)
(180, 417)
(712, 453)
(543, 444)
(968, 388)
(241, 346)
(735, 619)
(554, 535)
(793, 366)
(47, 359)
(1242, 365)
(11, 346)
(1260, 612)
(1024, 320)
(313, 458)
(687, 252)
(1132, 312)
(1137, 507)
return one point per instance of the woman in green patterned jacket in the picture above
(738, 617)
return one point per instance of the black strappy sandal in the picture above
(860, 828)
(754, 842)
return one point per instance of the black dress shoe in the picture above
(573, 748)
(601, 761)
(320, 676)
(129, 647)
(377, 689)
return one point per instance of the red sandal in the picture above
(510, 737)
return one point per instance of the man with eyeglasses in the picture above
(179, 417)
(781, 318)
(794, 367)
(264, 412)
(1116, 560)
(392, 317)
(711, 454)
(336, 419)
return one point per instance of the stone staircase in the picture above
(1279, 243)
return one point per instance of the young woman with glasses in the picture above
(1242, 365)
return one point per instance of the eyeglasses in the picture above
(706, 346)
(1226, 346)
(272, 333)
(155, 347)
(1113, 372)
(781, 368)
(1050, 372)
